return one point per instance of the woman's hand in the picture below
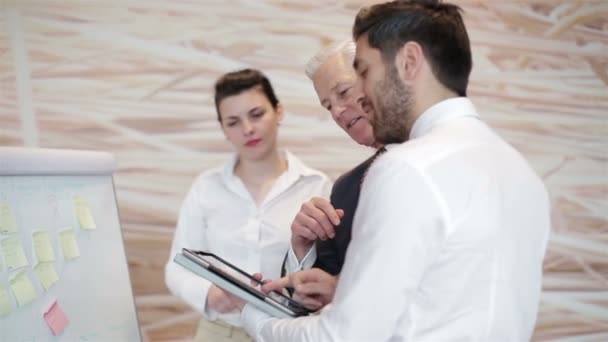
(222, 301)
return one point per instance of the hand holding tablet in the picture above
(239, 283)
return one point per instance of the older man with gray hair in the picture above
(321, 230)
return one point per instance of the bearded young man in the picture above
(452, 223)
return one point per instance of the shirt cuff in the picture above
(232, 317)
(210, 314)
(292, 265)
(253, 320)
(195, 292)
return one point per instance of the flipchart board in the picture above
(63, 268)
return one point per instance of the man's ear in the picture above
(409, 60)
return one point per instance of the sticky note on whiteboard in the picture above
(14, 256)
(83, 213)
(23, 289)
(69, 245)
(42, 246)
(56, 319)
(8, 224)
(5, 302)
(46, 274)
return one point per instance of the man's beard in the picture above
(393, 109)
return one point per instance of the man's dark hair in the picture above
(436, 26)
(236, 82)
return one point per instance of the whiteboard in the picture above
(93, 289)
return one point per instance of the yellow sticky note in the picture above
(23, 289)
(42, 246)
(8, 224)
(5, 302)
(47, 274)
(69, 246)
(14, 256)
(83, 213)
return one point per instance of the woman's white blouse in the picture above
(219, 215)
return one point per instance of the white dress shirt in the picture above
(448, 242)
(292, 264)
(219, 215)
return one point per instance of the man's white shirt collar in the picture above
(438, 113)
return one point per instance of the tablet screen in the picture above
(245, 279)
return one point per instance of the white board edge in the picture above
(45, 161)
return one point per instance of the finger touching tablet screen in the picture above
(243, 281)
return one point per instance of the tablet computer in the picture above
(238, 282)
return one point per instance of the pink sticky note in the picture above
(56, 319)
